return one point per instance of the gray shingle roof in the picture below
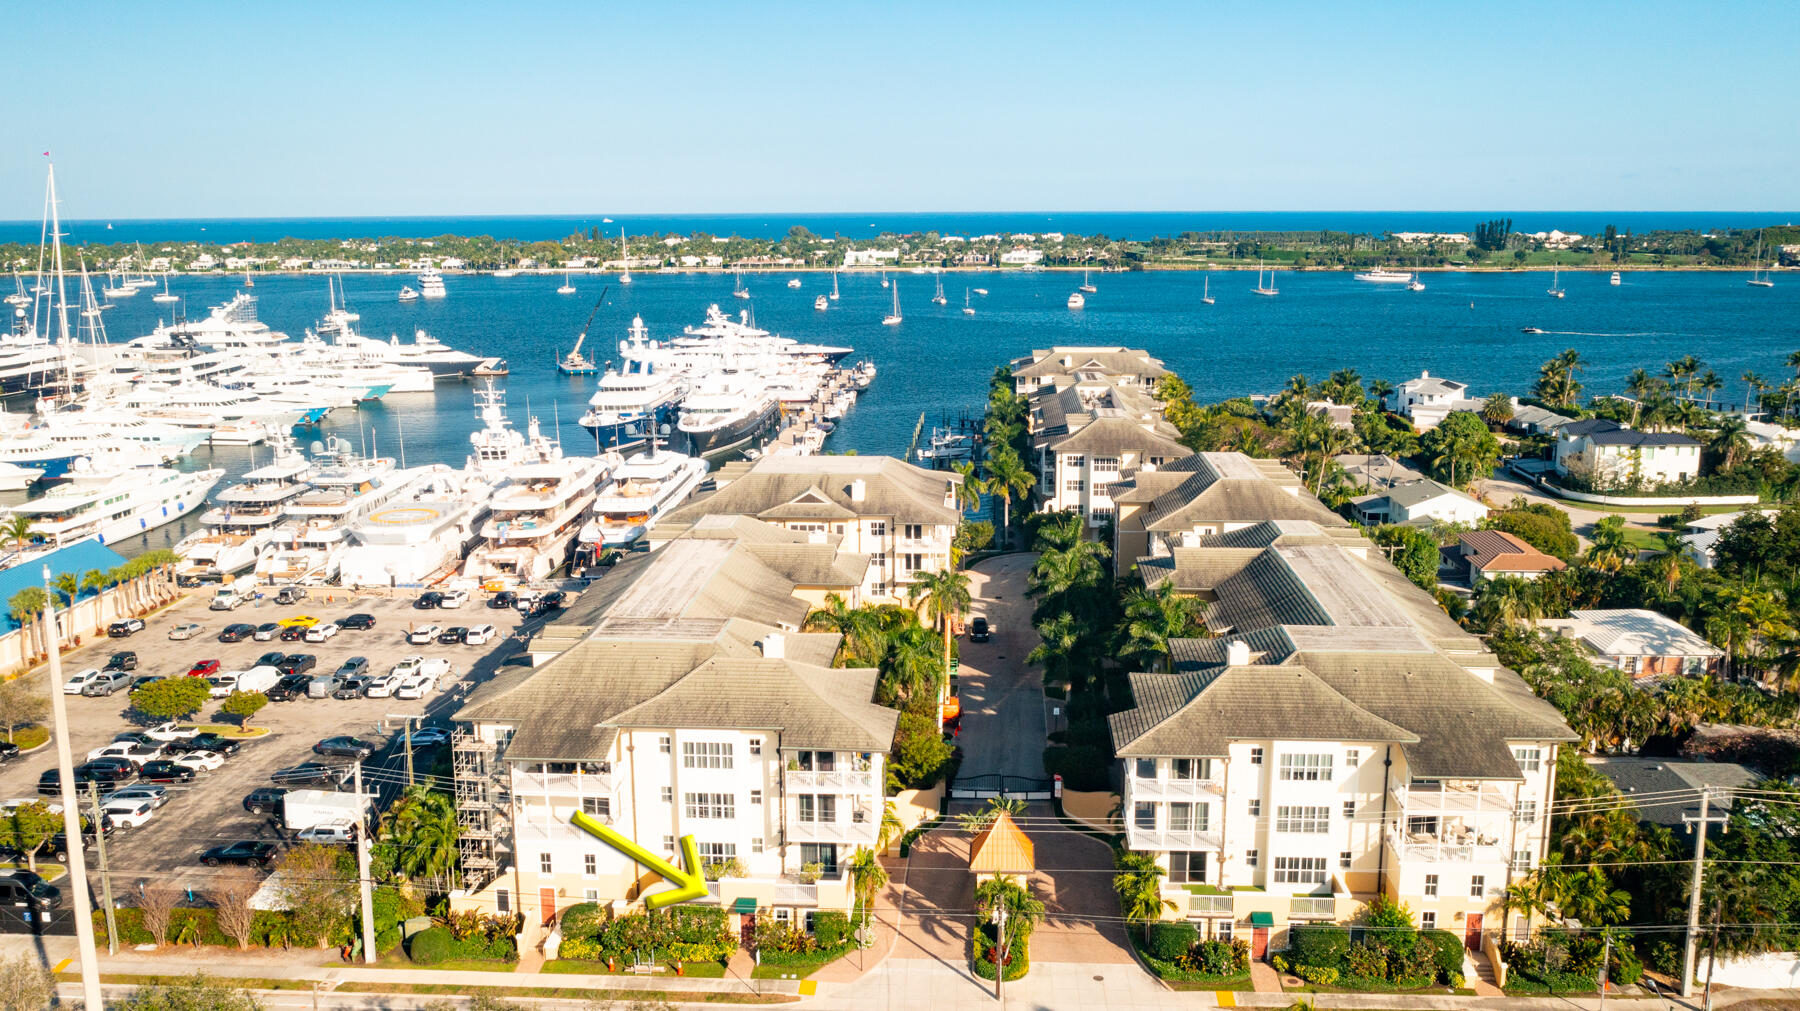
(1199, 713)
(1639, 777)
(1233, 488)
(1117, 437)
(784, 487)
(1067, 360)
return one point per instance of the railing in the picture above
(561, 784)
(1208, 905)
(1443, 848)
(1176, 839)
(835, 780)
(1415, 799)
(1174, 789)
(1303, 907)
(844, 830)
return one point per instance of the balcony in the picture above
(846, 829)
(1451, 845)
(1174, 789)
(844, 780)
(596, 780)
(1203, 900)
(1170, 839)
(1450, 798)
(1312, 907)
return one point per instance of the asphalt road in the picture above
(1004, 712)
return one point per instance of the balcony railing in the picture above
(845, 830)
(1309, 907)
(1167, 839)
(1206, 905)
(1175, 789)
(562, 784)
(1450, 798)
(844, 780)
(1446, 847)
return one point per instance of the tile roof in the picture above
(1414, 493)
(1002, 848)
(1500, 551)
(1232, 487)
(1117, 437)
(1067, 360)
(820, 487)
(1634, 632)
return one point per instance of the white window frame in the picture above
(1306, 767)
(1302, 819)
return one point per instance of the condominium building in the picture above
(902, 517)
(678, 697)
(1065, 366)
(1090, 436)
(1187, 500)
(1341, 738)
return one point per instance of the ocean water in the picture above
(936, 363)
(1115, 224)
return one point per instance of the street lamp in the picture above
(1000, 951)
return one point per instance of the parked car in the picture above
(135, 737)
(453, 598)
(237, 631)
(479, 635)
(428, 600)
(309, 773)
(157, 796)
(452, 635)
(223, 684)
(202, 760)
(132, 751)
(165, 770)
(272, 658)
(525, 602)
(126, 660)
(553, 601)
(121, 629)
(122, 768)
(264, 798)
(81, 680)
(359, 622)
(329, 834)
(8, 751)
(290, 595)
(322, 686)
(245, 852)
(422, 635)
(416, 687)
(266, 631)
(298, 621)
(353, 667)
(297, 663)
(22, 889)
(107, 682)
(430, 737)
(502, 600)
(202, 668)
(381, 687)
(320, 633)
(344, 745)
(128, 813)
(210, 741)
(288, 688)
(350, 688)
(292, 633)
(184, 631)
(145, 679)
(979, 630)
(172, 731)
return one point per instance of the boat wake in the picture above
(1585, 333)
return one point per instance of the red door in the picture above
(747, 932)
(1472, 933)
(547, 899)
(1259, 942)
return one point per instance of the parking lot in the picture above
(209, 811)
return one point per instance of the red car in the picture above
(203, 668)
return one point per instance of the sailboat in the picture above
(893, 319)
(939, 297)
(575, 363)
(740, 291)
(1415, 284)
(18, 298)
(834, 292)
(1206, 291)
(249, 282)
(165, 296)
(968, 310)
(624, 255)
(1759, 278)
(1262, 289)
(1086, 285)
(884, 280)
(116, 286)
(1555, 288)
(567, 288)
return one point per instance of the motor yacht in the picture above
(425, 351)
(431, 283)
(533, 518)
(233, 324)
(345, 487)
(641, 489)
(1382, 275)
(244, 518)
(726, 410)
(114, 502)
(416, 535)
(638, 399)
(408, 293)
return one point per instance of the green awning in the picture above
(743, 905)
(1262, 919)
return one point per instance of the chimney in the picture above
(774, 646)
(1237, 653)
(859, 490)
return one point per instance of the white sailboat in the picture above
(1206, 291)
(1415, 284)
(968, 310)
(249, 282)
(625, 258)
(893, 318)
(884, 279)
(740, 291)
(834, 291)
(567, 288)
(1087, 285)
(1265, 289)
(939, 297)
(164, 295)
(1759, 278)
(1556, 290)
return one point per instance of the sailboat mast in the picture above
(56, 254)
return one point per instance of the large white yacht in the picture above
(497, 447)
(742, 335)
(232, 325)
(112, 503)
(533, 518)
(417, 535)
(1382, 275)
(245, 516)
(431, 283)
(309, 543)
(638, 400)
(28, 362)
(425, 350)
(726, 410)
(641, 489)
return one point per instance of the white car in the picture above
(202, 761)
(157, 796)
(526, 600)
(454, 598)
(408, 666)
(171, 732)
(224, 683)
(423, 635)
(479, 635)
(320, 633)
(136, 753)
(383, 686)
(437, 667)
(74, 685)
(184, 631)
(329, 832)
(416, 687)
(129, 813)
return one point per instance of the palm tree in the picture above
(912, 667)
(1058, 639)
(945, 596)
(1139, 887)
(1297, 389)
(67, 586)
(423, 828)
(18, 529)
(1152, 618)
(859, 627)
(975, 821)
(1058, 531)
(1497, 409)
(1709, 384)
(1511, 600)
(1589, 896)
(970, 490)
(867, 876)
(1610, 550)
(1753, 385)
(1730, 441)
(1669, 562)
(1022, 910)
(1008, 478)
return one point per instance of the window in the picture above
(1521, 862)
(1424, 824)
(1146, 768)
(1351, 757)
(668, 844)
(598, 807)
(1526, 812)
(1075, 462)
(1521, 929)
(878, 528)
(756, 745)
(709, 805)
(1190, 768)
(714, 852)
(915, 531)
(815, 761)
(1349, 810)
(1308, 768)
(1221, 930)
(1529, 759)
(1309, 820)
(1629, 664)
(818, 807)
(1431, 885)
(1256, 756)
(1075, 484)
(590, 864)
(1249, 858)
(1100, 515)
(662, 744)
(705, 755)
(502, 901)
(1187, 867)
(823, 854)
(878, 559)
(1478, 886)
(668, 795)
(912, 562)
(544, 865)
(1344, 859)
(1427, 921)
(1299, 870)
(756, 844)
(1144, 815)
(1187, 817)
(755, 797)
(590, 894)
(1255, 807)
(1106, 463)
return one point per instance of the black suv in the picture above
(307, 773)
(979, 631)
(345, 745)
(452, 635)
(257, 854)
(121, 629)
(126, 660)
(503, 600)
(358, 622)
(264, 798)
(101, 772)
(273, 658)
(428, 600)
(236, 632)
(297, 663)
(164, 771)
(288, 688)
(552, 601)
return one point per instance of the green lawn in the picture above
(29, 737)
(798, 969)
(584, 967)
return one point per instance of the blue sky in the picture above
(229, 110)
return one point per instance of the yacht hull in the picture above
(732, 435)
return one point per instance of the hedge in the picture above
(1448, 950)
(431, 946)
(584, 919)
(831, 929)
(1018, 957)
(1322, 945)
(1170, 941)
(193, 926)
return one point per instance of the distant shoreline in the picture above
(909, 272)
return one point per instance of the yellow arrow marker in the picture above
(689, 880)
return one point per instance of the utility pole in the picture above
(1000, 951)
(1712, 957)
(406, 725)
(112, 925)
(1693, 925)
(363, 884)
(71, 801)
(1605, 963)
